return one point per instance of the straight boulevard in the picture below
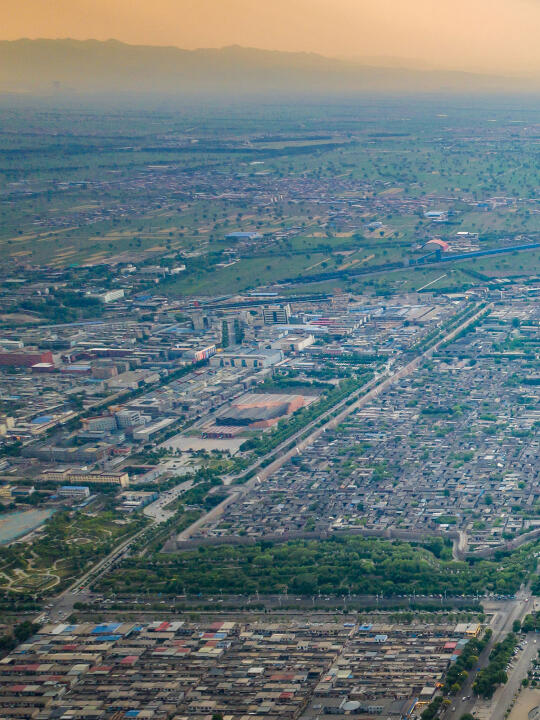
(284, 452)
(505, 615)
(62, 605)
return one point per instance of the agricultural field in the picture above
(345, 195)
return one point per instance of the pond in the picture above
(17, 524)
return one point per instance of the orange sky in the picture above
(498, 35)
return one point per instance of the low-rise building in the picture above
(276, 314)
(81, 475)
(77, 492)
(247, 359)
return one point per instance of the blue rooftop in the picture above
(105, 628)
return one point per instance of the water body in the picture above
(16, 524)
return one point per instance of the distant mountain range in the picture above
(91, 66)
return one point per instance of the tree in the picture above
(471, 661)
(529, 623)
(238, 332)
(224, 334)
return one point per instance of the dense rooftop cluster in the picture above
(179, 669)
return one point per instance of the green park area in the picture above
(334, 566)
(66, 546)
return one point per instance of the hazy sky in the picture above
(500, 35)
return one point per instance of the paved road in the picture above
(505, 614)
(78, 591)
(63, 604)
(291, 605)
(460, 545)
(350, 274)
(158, 509)
(379, 384)
(503, 696)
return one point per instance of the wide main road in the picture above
(62, 606)
(505, 614)
(504, 695)
(284, 452)
(158, 512)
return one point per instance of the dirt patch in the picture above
(528, 700)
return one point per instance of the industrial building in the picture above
(25, 359)
(276, 314)
(247, 359)
(260, 411)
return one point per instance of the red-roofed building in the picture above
(25, 359)
(129, 660)
(437, 244)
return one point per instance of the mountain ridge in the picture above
(94, 66)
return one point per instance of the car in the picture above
(464, 698)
